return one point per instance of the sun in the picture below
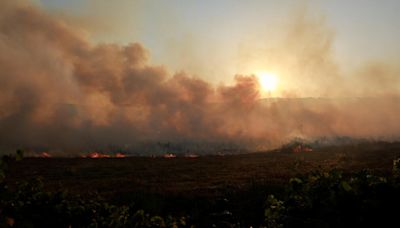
(268, 81)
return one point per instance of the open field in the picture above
(193, 185)
(113, 177)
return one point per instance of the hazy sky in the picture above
(82, 68)
(207, 37)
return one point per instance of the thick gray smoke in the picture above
(59, 91)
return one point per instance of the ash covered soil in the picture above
(119, 179)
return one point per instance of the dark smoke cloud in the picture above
(59, 91)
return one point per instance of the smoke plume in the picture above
(60, 91)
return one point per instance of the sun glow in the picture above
(268, 81)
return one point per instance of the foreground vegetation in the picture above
(319, 197)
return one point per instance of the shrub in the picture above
(332, 199)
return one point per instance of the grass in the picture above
(206, 184)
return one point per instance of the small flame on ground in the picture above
(120, 155)
(169, 156)
(44, 155)
(97, 155)
(302, 148)
(101, 155)
(191, 156)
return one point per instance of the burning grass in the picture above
(198, 175)
(192, 186)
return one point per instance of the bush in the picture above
(29, 205)
(320, 199)
(332, 199)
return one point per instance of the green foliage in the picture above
(29, 205)
(332, 199)
(274, 211)
(19, 155)
(396, 167)
(32, 206)
(4, 162)
(320, 199)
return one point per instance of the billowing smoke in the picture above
(60, 91)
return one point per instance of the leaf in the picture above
(2, 176)
(295, 180)
(19, 155)
(346, 186)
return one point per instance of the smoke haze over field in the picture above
(61, 91)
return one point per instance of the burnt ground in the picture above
(182, 184)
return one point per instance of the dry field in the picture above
(202, 176)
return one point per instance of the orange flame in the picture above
(191, 156)
(169, 156)
(44, 155)
(97, 155)
(301, 148)
(120, 155)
